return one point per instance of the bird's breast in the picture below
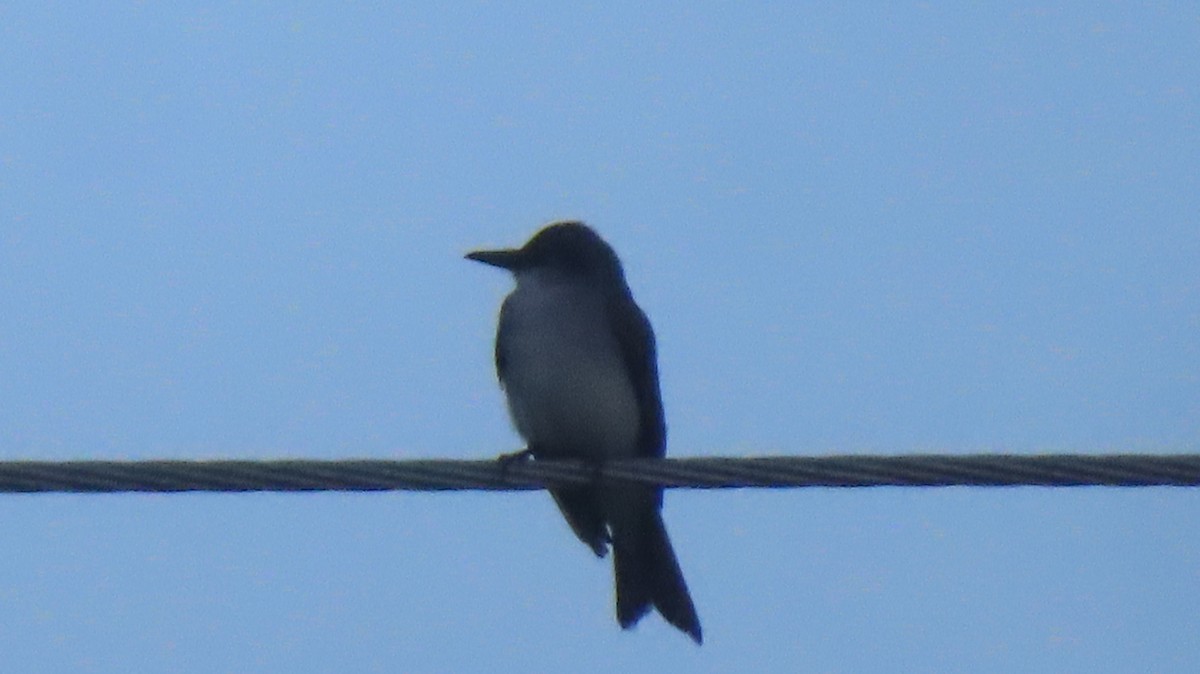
(566, 382)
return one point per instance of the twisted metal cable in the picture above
(978, 470)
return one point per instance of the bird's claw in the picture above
(507, 460)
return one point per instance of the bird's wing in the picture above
(636, 340)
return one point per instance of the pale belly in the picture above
(567, 388)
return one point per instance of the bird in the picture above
(576, 358)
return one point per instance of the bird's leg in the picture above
(509, 459)
(596, 468)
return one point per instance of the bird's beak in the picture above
(507, 258)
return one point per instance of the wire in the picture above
(977, 470)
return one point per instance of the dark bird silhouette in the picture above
(576, 359)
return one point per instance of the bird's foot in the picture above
(595, 467)
(507, 460)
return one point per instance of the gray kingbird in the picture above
(576, 359)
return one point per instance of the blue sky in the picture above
(236, 230)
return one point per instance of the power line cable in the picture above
(297, 475)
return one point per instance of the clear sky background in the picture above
(236, 230)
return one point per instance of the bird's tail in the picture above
(647, 573)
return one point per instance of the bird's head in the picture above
(561, 248)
